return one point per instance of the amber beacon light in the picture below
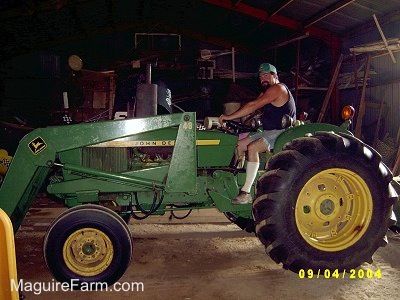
(348, 112)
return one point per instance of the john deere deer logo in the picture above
(37, 145)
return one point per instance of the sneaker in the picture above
(242, 198)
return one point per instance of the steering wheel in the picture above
(239, 127)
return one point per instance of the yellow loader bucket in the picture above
(8, 264)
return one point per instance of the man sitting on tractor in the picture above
(276, 101)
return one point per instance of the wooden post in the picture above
(355, 75)
(398, 138)
(330, 89)
(361, 109)
(378, 124)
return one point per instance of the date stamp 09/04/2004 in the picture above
(336, 274)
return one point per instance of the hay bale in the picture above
(387, 148)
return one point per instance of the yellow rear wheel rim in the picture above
(88, 252)
(334, 209)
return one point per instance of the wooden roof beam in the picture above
(294, 38)
(384, 39)
(326, 12)
(369, 26)
(279, 7)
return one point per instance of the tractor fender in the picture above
(305, 130)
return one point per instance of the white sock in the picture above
(251, 173)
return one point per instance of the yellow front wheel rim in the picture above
(88, 252)
(334, 209)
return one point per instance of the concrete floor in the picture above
(203, 256)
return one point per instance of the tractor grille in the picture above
(106, 159)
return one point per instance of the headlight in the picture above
(211, 122)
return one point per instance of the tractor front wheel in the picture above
(88, 244)
(324, 203)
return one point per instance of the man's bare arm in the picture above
(269, 96)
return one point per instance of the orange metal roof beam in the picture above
(329, 37)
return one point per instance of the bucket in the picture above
(8, 264)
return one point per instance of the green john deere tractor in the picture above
(323, 198)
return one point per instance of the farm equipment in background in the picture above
(5, 161)
(323, 198)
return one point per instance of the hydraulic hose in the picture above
(146, 213)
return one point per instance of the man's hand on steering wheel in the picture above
(221, 119)
(239, 127)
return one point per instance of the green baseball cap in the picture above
(267, 68)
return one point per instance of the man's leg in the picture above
(240, 151)
(252, 166)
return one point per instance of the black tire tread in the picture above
(283, 170)
(88, 216)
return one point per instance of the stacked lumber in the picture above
(393, 45)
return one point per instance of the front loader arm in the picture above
(38, 150)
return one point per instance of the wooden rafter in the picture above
(293, 38)
(326, 12)
(370, 25)
(280, 6)
(384, 39)
(275, 10)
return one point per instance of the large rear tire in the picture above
(88, 244)
(324, 203)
